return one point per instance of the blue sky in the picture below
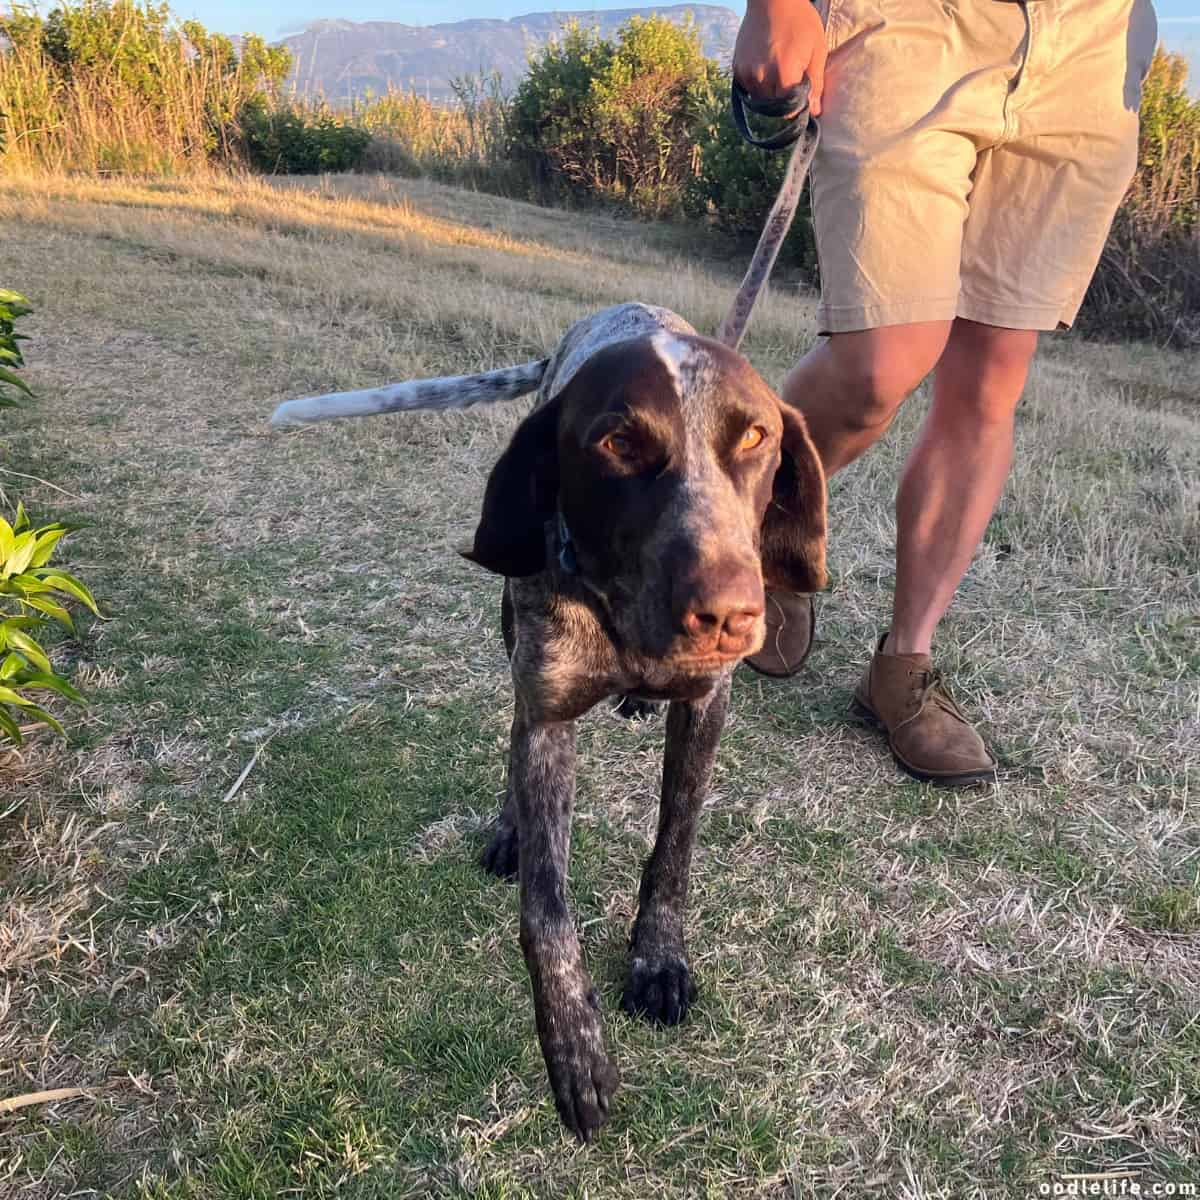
(272, 17)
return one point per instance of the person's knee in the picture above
(1000, 356)
(878, 373)
(985, 368)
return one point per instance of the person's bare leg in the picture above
(849, 389)
(955, 474)
(850, 386)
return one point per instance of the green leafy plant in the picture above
(12, 306)
(33, 594)
(595, 119)
(300, 140)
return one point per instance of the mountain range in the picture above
(346, 59)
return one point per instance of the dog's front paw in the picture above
(582, 1076)
(502, 855)
(659, 988)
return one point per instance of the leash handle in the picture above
(792, 107)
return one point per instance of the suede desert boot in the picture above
(791, 618)
(929, 735)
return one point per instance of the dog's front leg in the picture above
(565, 1002)
(659, 984)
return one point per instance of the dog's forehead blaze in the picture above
(680, 381)
(717, 389)
(676, 355)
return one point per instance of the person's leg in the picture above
(955, 474)
(848, 389)
(850, 386)
(949, 488)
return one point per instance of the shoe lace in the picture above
(932, 686)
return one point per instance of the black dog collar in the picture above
(567, 558)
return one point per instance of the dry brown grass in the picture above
(307, 989)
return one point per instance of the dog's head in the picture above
(684, 483)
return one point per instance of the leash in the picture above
(802, 132)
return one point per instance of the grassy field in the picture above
(309, 988)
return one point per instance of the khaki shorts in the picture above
(973, 153)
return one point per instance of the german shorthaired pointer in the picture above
(636, 515)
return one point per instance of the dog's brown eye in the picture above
(618, 445)
(752, 438)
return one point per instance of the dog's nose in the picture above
(739, 624)
(725, 632)
(724, 616)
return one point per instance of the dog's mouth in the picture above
(703, 664)
(726, 651)
(683, 677)
(683, 659)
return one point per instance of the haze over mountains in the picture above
(344, 59)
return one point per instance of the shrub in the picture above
(552, 119)
(466, 143)
(612, 121)
(102, 86)
(299, 140)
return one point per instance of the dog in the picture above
(637, 514)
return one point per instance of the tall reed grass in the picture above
(466, 143)
(121, 88)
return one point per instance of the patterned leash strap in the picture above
(801, 132)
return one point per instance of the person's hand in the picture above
(779, 43)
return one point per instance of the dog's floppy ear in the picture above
(521, 496)
(793, 528)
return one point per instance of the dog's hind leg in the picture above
(659, 985)
(566, 1004)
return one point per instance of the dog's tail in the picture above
(454, 391)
